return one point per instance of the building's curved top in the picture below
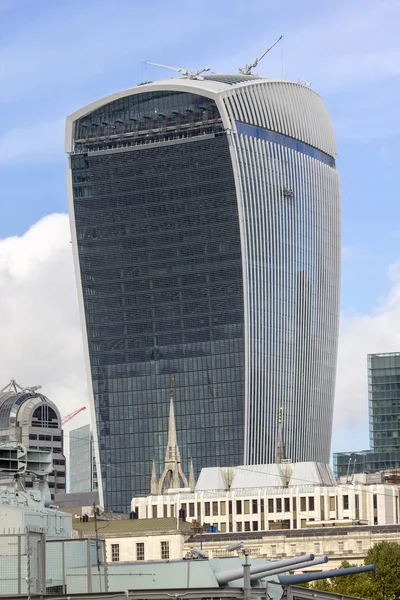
(231, 79)
(25, 407)
(285, 107)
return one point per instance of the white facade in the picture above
(127, 548)
(269, 497)
(351, 545)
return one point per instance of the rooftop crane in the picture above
(246, 70)
(185, 72)
(72, 415)
(13, 385)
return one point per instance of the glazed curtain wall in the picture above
(292, 238)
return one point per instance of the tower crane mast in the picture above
(184, 72)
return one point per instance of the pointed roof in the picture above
(172, 453)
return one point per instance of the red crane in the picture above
(72, 415)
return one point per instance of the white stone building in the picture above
(262, 497)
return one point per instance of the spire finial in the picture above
(192, 481)
(154, 482)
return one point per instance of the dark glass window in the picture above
(160, 260)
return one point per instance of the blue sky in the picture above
(57, 56)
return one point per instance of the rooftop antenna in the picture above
(185, 72)
(246, 70)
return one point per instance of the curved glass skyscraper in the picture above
(205, 220)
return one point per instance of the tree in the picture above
(382, 584)
(385, 581)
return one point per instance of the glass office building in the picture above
(384, 420)
(205, 218)
(82, 465)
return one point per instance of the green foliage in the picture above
(382, 584)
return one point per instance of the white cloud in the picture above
(363, 334)
(40, 339)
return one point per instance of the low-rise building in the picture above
(253, 498)
(136, 540)
(339, 543)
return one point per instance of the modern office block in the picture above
(83, 476)
(29, 417)
(384, 420)
(205, 218)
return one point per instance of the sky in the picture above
(58, 56)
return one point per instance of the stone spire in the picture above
(172, 474)
(154, 481)
(172, 453)
(284, 464)
(280, 447)
(192, 481)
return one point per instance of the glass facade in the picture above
(384, 419)
(160, 261)
(208, 248)
(82, 465)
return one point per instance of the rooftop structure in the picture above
(27, 416)
(205, 218)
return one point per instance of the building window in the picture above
(345, 502)
(287, 504)
(165, 510)
(238, 526)
(247, 507)
(332, 503)
(247, 526)
(164, 551)
(114, 552)
(154, 511)
(303, 507)
(262, 505)
(222, 508)
(255, 525)
(311, 503)
(279, 505)
(207, 509)
(140, 551)
(191, 509)
(215, 509)
(270, 505)
(32, 436)
(238, 507)
(223, 527)
(254, 506)
(45, 416)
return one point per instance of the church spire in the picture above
(172, 474)
(154, 481)
(172, 452)
(192, 481)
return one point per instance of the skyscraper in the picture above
(384, 420)
(82, 466)
(28, 417)
(205, 217)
